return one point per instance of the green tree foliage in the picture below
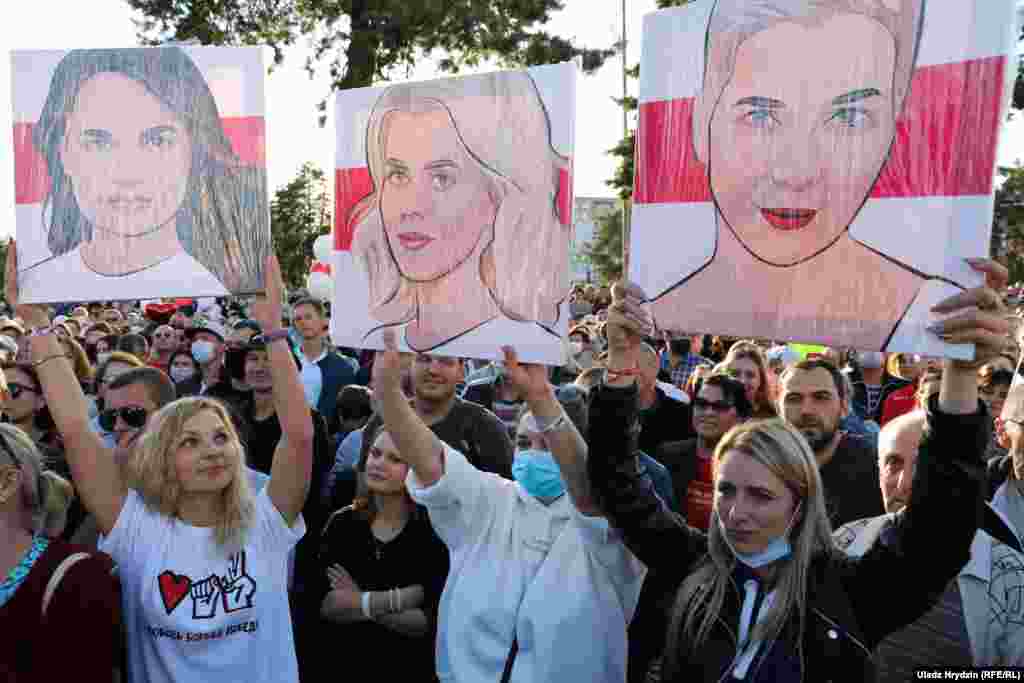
(605, 251)
(299, 213)
(1008, 225)
(363, 41)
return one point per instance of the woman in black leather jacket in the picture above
(765, 596)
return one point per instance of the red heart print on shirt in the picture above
(173, 589)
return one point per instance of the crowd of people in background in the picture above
(212, 490)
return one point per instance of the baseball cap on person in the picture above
(204, 324)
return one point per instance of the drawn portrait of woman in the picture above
(461, 226)
(146, 195)
(795, 119)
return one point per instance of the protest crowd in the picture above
(263, 484)
(665, 506)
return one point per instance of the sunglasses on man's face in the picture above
(133, 416)
(717, 406)
(17, 390)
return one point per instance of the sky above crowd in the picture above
(293, 136)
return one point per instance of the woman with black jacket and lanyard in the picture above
(765, 596)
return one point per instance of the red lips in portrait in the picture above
(414, 241)
(789, 219)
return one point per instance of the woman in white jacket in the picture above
(540, 588)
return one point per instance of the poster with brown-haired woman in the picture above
(139, 173)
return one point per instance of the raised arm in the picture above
(566, 444)
(947, 498)
(97, 476)
(659, 537)
(417, 445)
(292, 468)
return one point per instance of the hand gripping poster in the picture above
(453, 214)
(139, 173)
(818, 170)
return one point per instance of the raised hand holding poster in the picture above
(139, 173)
(453, 214)
(818, 170)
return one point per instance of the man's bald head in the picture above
(898, 445)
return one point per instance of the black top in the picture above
(666, 420)
(843, 620)
(469, 428)
(851, 482)
(416, 556)
(263, 436)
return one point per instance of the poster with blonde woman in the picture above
(818, 170)
(140, 173)
(453, 214)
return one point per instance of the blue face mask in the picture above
(538, 473)
(777, 549)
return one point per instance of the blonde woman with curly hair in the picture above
(203, 561)
(462, 225)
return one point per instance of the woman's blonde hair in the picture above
(153, 474)
(45, 495)
(784, 451)
(501, 121)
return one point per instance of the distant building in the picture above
(587, 211)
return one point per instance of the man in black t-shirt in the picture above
(263, 430)
(813, 399)
(466, 426)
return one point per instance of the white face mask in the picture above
(202, 351)
(102, 358)
(180, 374)
(577, 347)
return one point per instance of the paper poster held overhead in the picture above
(817, 170)
(453, 214)
(139, 173)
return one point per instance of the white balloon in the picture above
(320, 286)
(322, 248)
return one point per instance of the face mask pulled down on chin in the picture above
(777, 549)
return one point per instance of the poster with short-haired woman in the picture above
(139, 173)
(453, 216)
(818, 170)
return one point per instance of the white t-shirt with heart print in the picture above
(196, 612)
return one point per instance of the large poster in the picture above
(454, 212)
(817, 170)
(139, 173)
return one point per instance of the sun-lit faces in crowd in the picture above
(435, 377)
(308, 322)
(898, 446)
(810, 402)
(799, 133)
(206, 454)
(713, 413)
(133, 396)
(434, 200)
(385, 471)
(128, 157)
(754, 504)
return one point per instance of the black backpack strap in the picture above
(510, 661)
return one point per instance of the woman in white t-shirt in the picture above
(203, 562)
